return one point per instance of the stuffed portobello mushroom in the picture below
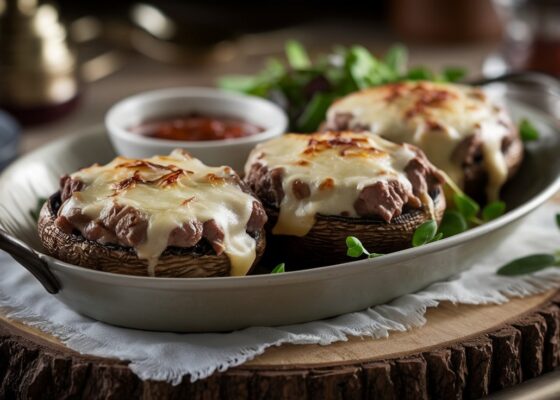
(458, 127)
(318, 189)
(163, 216)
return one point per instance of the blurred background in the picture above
(63, 64)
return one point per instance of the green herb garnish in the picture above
(426, 233)
(528, 131)
(238, 83)
(314, 113)
(528, 264)
(356, 249)
(36, 211)
(464, 211)
(397, 59)
(280, 268)
(466, 206)
(453, 74)
(305, 89)
(452, 223)
(531, 263)
(366, 70)
(296, 55)
(493, 210)
(420, 74)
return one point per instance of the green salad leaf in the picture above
(356, 249)
(453, 74)
(296, 55)
(452, 223)
(531, 263)
(396, 59)
(314, 113)
(493, 210)
(280, 268)
(420, 74)
(466, 206)
(528, 131)
(35, 211)
(527, 264)
(305, 88)
(426, 233)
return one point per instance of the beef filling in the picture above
(186, 235)
(344, 121)
(69, 186)
(266, 184)
(384, 199)
(468, 152)
(127, 226)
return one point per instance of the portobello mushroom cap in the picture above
(318, 189)
(194, 262)
(456, 125)
(325, 243)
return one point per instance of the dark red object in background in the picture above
(28, 116)
(544, 56)
(544, 52)
(445, 20)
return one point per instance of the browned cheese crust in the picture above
(388, 214)
(429, 99)
(385, 200)
(108, 240)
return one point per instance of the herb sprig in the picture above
(426, 233)
(280, 268)
(466, 212)
(455, 220)
(528, 131)
(533, 262)
(356, 249)
(306, 89)
(35, 211)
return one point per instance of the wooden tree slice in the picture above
(463, 352)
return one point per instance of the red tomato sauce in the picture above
(196, 127)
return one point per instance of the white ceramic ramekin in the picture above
(170, 102)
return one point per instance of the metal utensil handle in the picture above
(30, 261)
(550, 82)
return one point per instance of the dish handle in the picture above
(549, 83)
(30, 260)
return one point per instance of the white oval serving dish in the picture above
(221, 304)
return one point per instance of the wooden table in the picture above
(462, 352)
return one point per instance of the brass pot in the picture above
(40, 77)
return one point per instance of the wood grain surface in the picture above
(462, 352)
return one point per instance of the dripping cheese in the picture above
(436, 117)
(169, 192)
(327, 173)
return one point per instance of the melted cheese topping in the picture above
(335, 166)
(175, 189)
(435, 117)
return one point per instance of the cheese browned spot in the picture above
(338, 173)
(437, 118)
(163, 201)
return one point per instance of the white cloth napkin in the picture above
(170, 357)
